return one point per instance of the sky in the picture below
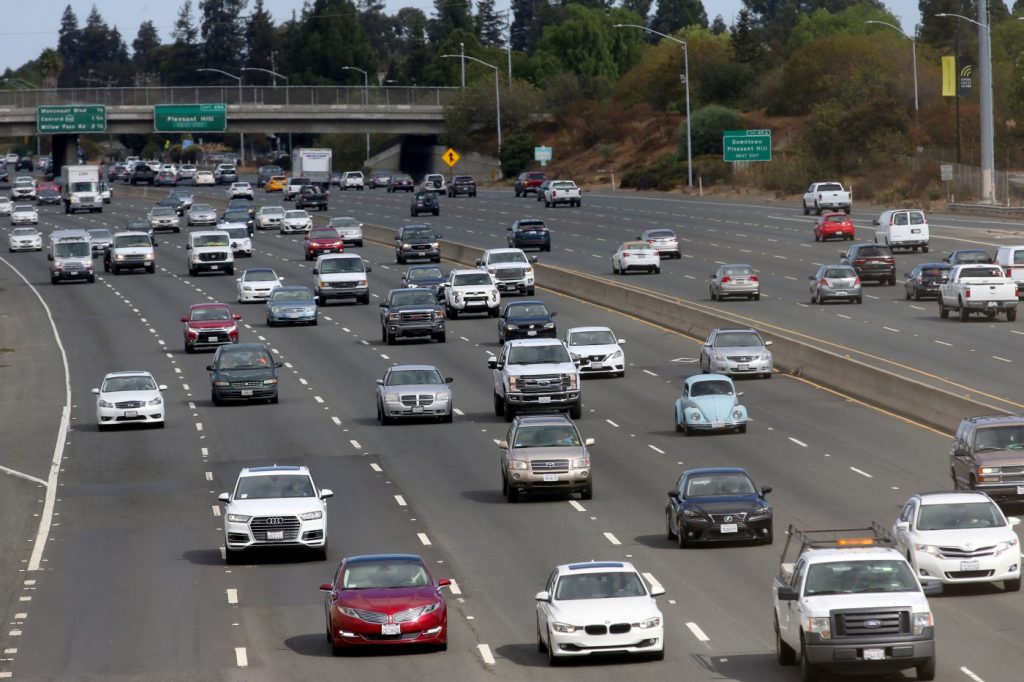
(33, 27)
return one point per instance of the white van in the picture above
(1011, 259)
(902, 228)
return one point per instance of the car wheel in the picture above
(441, 337)
(742, 428)
(808, 673)
(529, 291)
(512, 494)
(541, 647)
(491, 312)
(757, 297)
(1011, 315)
(365, 299)
(453, 314)
(926, 671)
(389, 338)
(806, 212)
(274, 400)
(553, 660)
(588, 493)
(499, 406)
(675, 420)
(1012, 585)
(190, 348)
(712, 294)
(669, 533)
(860, 299)
(784, 654)
(681, 541)
(232, 556)
(576, 411)
(820, 300)
(965, 314)
(510, 412)
(321, 553)
(943, 310)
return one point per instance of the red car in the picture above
(529, 182)
(385, 599)
(832, 225)
(209, 325)
(322, 240)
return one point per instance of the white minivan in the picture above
(902, 228)
(1011, 259)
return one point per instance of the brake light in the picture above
(856, 282)
(859, 261)
(855, 542)
(753, 278)
(1009, 271)
(967, 292)
(726, 279)
(625, 254)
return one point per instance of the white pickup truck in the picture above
(562, 192)
(827, 196)
(978, 288)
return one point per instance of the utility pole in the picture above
(462, 53)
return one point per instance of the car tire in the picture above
(499, 406)
(365, 299)
(448, 418)
(315, 322)
(453, 314)
(541, 646)
(492, 312)
(232, 556)
(511, 494)
(1011, 315)
(116, 270)
(806, 212)
(441, 337)
(943, 310)
(389, 338)
(659, 655)
(588, 492)
(965, 314)
(274, 400)
(756, 297)
(190, 348)
(681, 541)
(860, 299)
(926, 671)
(576, 411)
(820, 300)
(217, 402)
(321, 553)
(742, 428)
(529, 291)
(712, 294)
(553, 660)
(669, 533)
(784, 654)
(1011, 585)
(808, 673)
(510, 412)
(615, 268)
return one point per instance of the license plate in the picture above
(728, 528)
(991, 304)
(743, 368)
(391, 628)
(841, 293)
(246, 392)
(915, 231)
(1020, 490)
(550, 478)
(293, 314)
(544, 399)
(417, 409)
(215, 267)
(717, 425)
(73, 273)
(211, 339)
(597, 365)
(969, 565)
(874, 654)
(531, 333)
(131, 413)
(275, 535)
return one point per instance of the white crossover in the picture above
(296, 221)
(129, 398)
(256, 284)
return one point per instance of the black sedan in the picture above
(526, 320)
(424, 202)
(428, 277)
(401, 181)
(243, 372)
(924, 280)
(717, 504)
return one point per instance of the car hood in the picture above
(746, 351)
(324, 240)
(604, 349)
(202, 214)
(388, 600)
(1000, 457)
(273, 506)
(428, 282)
(419, 240)
(825, 604)
(569, 452)
(341, 276)
(543, 368)
(133, 250)
(962, 537)
(296, 221)
(618, 610)
(122, 396)
(724, 504)
(715, 407)
(280, 305)
(428, 307)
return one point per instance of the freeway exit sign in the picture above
(190, 118)
(747, 145)
(76, 118)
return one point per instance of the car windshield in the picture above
(999, 438)
(141, 225)
(841, 273)
(418, 232)
(550, 436)
(131, 240)
(323, 233)
(981, 272)
(209, 240)
(401, 178)
(600, 337)
(236, 232)
(260, 276)
(537, 355)
(24, 183)
(292, 295)
(205, 314)
(856, 577)
(162, 211)
(244, 359)
(531, 225)
(959, 516)
(279, 178)
(934, 272)
(271, 210)
(526, 310)
(713, 485)
(335, 265)
(507, 257)
(133, 383)
(236, 216)
(738, 340)
(424, 273)
(471, 279)
(74, 249)
(413, 297)
(296, 215)
(47, 192)
(830, 187)
(414, 377)
(384, 575)
(202, 208)
(32, 232)
(711, 387)
(270, 487)
(610, 585)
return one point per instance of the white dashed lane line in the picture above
(232, 596)
(612, 539)
(485, 654)
(943, 343)
(241, 659)
(336, 421)
(577, 506)
(376, 467)
(400, 500)
(354, 443)
(697, 632)
(656, 449)
(800, 443)
(647, 371)
(424, 539)
(862, 473)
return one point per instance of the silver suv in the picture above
(544, 453)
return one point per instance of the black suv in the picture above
(924, 280)
(424, 202)
(427, 277)
(526, 320)
(528, 233)
(141, 172)
(872, 262)
(417, 241)
(243, 371)
(411, 312)
(718, 504)
(987, 455)
(462, 184)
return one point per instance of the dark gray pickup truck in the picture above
(411, 313)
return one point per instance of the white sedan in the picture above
(296, 221)
(6, 205)
(240, 190)
(597, 350)
(256, 284)
(24, 214)
(203, 177)
(25, 239)
(636, 256)
(129, 398)
(601, 607)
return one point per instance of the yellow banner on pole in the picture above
(949, 76)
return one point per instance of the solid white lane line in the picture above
(240, 658)
(612, 423)
(216, 510)
(355, 444)
(996, 357)
(400, 500)
(424, 539)
(336, 421)
(943, 343)
(800, 443)
(697, 632)
(656, 449)
(890, 329)
(862, 473)
(612, 539)
(232, 596)
(485, 654)
(376, 467)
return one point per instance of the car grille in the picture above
(351, 284)
(742, 358)
(421, 400)
(377, 637)
(246, 384)
(853, 623)
(964, 575)
(416, 316)
(962, 553)
(543, 383)
(549, 466)
(212, 336)
(262, 524)
(729, 518)
(510, 274)
(408, 615)
(614, 628)
(420, 247)
(135, 257)
(371, 616)
(213, 257)
(127, 404)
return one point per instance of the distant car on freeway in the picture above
(349, 229)
(832, 226)
(635, 255)
(545, 454)
(526, 320)
(129, 398)
(718, 504)
(664, 241)
(292, 304)
(414, 391)
(736, 351)
(961, 256)
(528, 233)
(462, 184)
(529, 181)
(709, 402)
(208, 325)
(429, 277)
(201, 214)
(835, 283)
(401, 181)
(24, 239)
(924, 280)
(243, 372)
(380, 179)
(597, 350)
(424, 202)
(320, 240)
(255, 284)
(737, 279)
(872, 262)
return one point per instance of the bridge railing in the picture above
(261, 95)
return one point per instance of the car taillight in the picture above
(1009, 271)
(889, 260)
(858, 261)
(753, 278)
(726, 279)
(625, 254)
(967, 292)
(856, 282)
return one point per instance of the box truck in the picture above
(314, 164)
(80, 188)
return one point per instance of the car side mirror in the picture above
(449, 380)
(492, 363)
(184, 319)
(739, 394)
(657, 590)
(768, 343)
(509, 228)
(444, 582)
(621, 341)
(590, 441)
(327, 587)
(96, 391)
(1013, 521)
(49, 256)
(534, 259)
(875, 222)
(383, 304)
(944, 280)
(316, 271)
(787, 593)
(932, 588)
(811, 277)
(479, 263)
(369, 268)
(209, 368)
(188, 247)
(380, 382)
(162, 387)
(224, 497)
(902, 525)
(765, 489)
(543, 596)
(502, 445)
(674, 494)
(156, 244)
(236, 317)
(279, 365)
(238, 279)
(326, 493)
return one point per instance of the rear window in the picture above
(874, 250)
(1018, 257)
(917, 218)
(836, 219)
(840, 273)
(830, 187)
(934, 272)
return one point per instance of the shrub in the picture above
(706, 126)
(517, 154)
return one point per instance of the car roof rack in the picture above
(838, 538)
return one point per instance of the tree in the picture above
(146, 42)
(262, 41)
(328, 35)
(517, 154)
(706, 126)
(185, 32)
(776, 18)
(50, 64)
(718, 26)
(69, 39)
(450, 16)
(673, 15)
(586, 43)
(223, 33)
(490, 25)
(640, 7)
(745, 40)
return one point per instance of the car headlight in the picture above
(309, 310)
(691, 514)
(511, 327)
(247, 288)
(574, 381)
(549, 325)
(563, 627)
(513, 383)
(442, 397)
(406, 247)
(719, 356)
(238, 518)
(1003, 546)
(617, 355)
(581, 462)
(928, 549)
(119, 256)
(393, 316)
(737, 414)
(58, 264)
(362, 283)
(311, 516)
(648, 624)
(155, 401)
(391, 397)
(434, 245)
(759, 513)
(517, 465)
(351, 613)
(104, 403)
(430, 608)
(988, 470)
(148, 255)
(221, 383)
(695, 415)
(74, 199)
(270, 382)
(922, 620)
(823, 626)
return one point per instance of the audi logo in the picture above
(275, 521)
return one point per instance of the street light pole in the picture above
(913, 44)
(241, 136)
(276, 75)
(508, 22)
(686, 81)
(462, 52)
(497, 91)
(988, 160)
(366, 99)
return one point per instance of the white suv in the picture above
(511, 269)
(599, 607)
(275, 506)
(210, 251)
(959, 537)
(471, 291)
(341, 275)
(353, 180)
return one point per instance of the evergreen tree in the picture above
(223, 33)
(69, 39)
(450, 16)
(262, 41)
(490, 24)
(745, 42)
(641, 7)
(146, 43)
(718, 26)
(673, 15)
(776, 18)
(185, 32)
(327, 36)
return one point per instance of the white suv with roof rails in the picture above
(511, 268)
(471, 291)
(341, 275)
(275, 506)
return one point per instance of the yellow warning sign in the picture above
(451, 157)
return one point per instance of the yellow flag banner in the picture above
(949, 76)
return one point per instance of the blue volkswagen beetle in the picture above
(709, 403)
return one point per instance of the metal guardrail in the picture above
(259, 95)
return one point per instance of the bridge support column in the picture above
(65, 152)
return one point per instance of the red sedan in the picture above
(208, 325)
(385, 599)
(322, 240)
(833, 225)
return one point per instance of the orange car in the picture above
(276, 183)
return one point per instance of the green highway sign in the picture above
(190, 118)
(73, 118)
(747, 145)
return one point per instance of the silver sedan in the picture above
(736, 351)
(735, 280)
(202, 214)
(414, 391)
(835, 282)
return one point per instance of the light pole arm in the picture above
(960, 16)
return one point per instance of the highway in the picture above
(133, 586)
